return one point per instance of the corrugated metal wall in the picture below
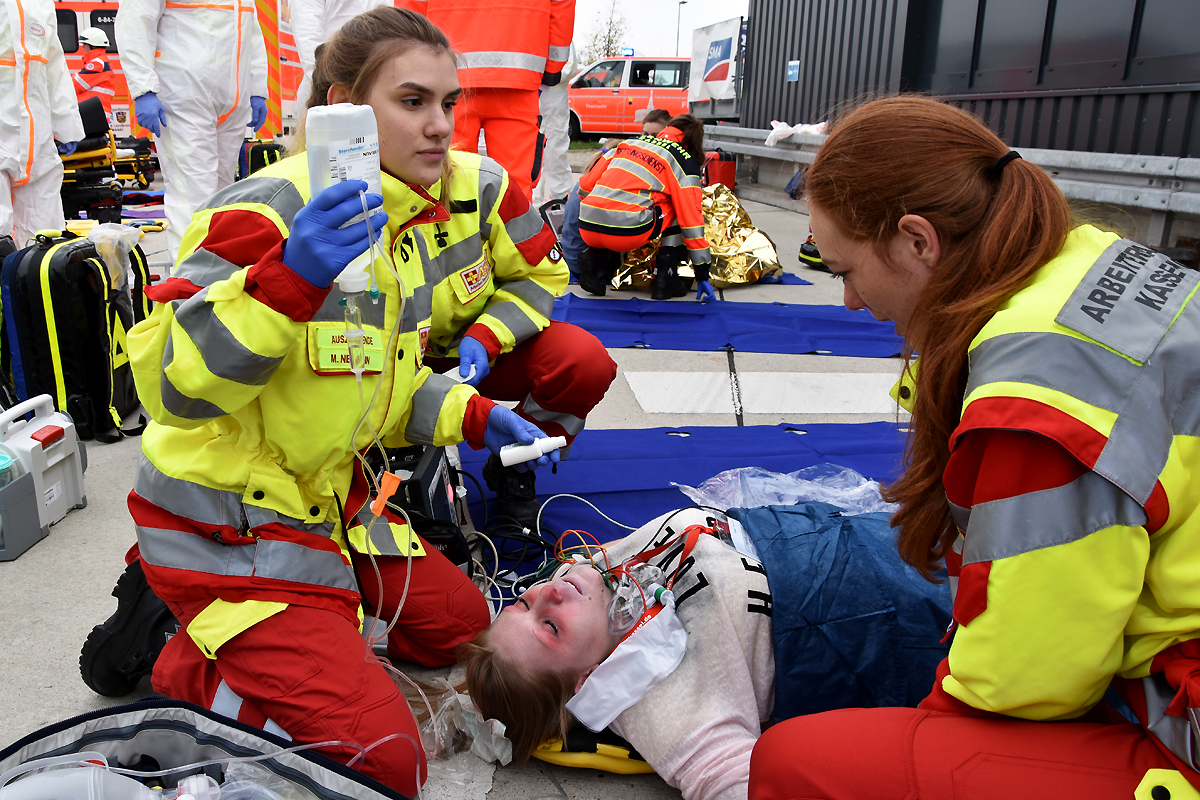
(1145, 122)
(1028, 68)
(846, 48)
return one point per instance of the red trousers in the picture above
(557, 377)
(509, 119)
(910, 753)
(308, 671)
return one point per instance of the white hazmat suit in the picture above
(313, 22)
(37, 105)
(556, 178)
(204, 60)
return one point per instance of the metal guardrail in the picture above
(1164, 186)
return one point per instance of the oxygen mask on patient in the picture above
(635, 590)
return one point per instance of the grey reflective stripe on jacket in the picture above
(1153, 402)
(504, 59)
(491, 181)
(517, 321)
(456, 258)
(533, 294)
(427, 404)
(202, 267)
(265, 558)
(524, 227)
(223, 355)
(381, 536)
(1014, 525)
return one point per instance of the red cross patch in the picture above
(475, 277)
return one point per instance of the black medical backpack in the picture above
(257, 154)
(65, 326)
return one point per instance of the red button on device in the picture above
(48, 435)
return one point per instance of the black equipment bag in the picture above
(65, 330)
(257, 154)
(8, 393)
(159, 734)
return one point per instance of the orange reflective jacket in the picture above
(96, 78)
(506, 50)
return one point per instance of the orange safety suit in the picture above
(96, 79)
(508, 55)
(650, 186)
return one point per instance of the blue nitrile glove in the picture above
(318, 247)
(704, 291)
(505, 427)
(471, 352)
(150, 113)
(67, 148)
(258, 112)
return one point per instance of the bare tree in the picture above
(609, 32)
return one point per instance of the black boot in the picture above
(516, 496)
(120, 652)
(594, 272)
(666, 282)
(810, 256)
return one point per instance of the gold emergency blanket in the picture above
(741, 253)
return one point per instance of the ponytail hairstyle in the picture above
(358, 51)
(996, 227)
(532, 706)
(693, 134)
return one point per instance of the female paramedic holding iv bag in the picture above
(251, 464)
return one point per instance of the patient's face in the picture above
(561, 625)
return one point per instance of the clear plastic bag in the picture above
(781, 130)
(751, 487)
(113, 243)
(457, 727)
(248, 781)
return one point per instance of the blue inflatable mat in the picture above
(628, 473)
(853, 625)
(746, 327)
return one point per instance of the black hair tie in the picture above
(996, 169)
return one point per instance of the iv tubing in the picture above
(133, 773)
(371, 249)
(577, 497)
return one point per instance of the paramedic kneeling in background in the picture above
(1052, 464)
(251, 471)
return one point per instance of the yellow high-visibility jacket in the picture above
(494, 266)
(256, 416)
(1073, 482)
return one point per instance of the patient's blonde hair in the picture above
(532, 705)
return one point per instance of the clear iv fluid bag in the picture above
(342, 141)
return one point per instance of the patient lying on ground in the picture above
(697, 726)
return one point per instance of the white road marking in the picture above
(764, 392)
